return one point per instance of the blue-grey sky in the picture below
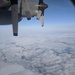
(60, 12)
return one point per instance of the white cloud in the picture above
(45, 54)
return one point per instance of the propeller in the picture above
(14, 14)
(41, 7)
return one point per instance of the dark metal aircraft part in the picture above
(73, 1)
(42, 6)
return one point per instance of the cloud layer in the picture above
(41, 55)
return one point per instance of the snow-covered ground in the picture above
(38, 55)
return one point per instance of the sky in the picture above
(60, 12)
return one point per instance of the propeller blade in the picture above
(14, 13)
(42, 20)
(39, 14)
